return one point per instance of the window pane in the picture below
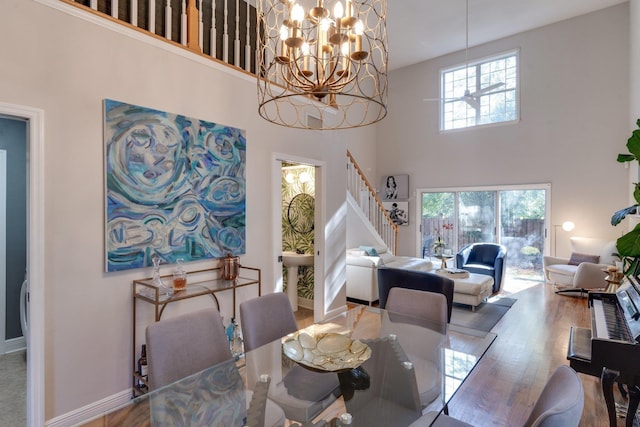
(496, 105)
(438, 213)
(522, 230)
(476, 217)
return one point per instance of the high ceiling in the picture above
(423, 29)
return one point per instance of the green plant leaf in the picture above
(629, 265)
(626, 158)
(618, 216)
(633, 143)
(636, 191)
(629, 244)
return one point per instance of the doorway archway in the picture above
(319, 308)
(35, 257)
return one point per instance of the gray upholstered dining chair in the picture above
(389, 278)
(430, 306)
(423, 349)
(268, 318)
(561, 401)
(560, 404)
(189, 343)
(391, 399)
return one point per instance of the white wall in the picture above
(67, 66)
(574, 109)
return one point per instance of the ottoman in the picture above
(471, 290)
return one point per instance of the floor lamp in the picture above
(566, 226)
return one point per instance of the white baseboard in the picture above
(336, 311)
(84, 414)
(308, 304)
(15, 344)
(305, 303)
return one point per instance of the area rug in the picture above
(483, 319)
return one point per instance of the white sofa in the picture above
(362, 270)
(586, 275)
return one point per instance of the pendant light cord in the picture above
(466, 48)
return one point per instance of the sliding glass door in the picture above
(476, 217)
(510, 215)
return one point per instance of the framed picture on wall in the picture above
(175, 187)
(398, 211)
(395, 187)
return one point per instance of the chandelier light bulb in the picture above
(325, 23)
(297, 13)
(338, 11)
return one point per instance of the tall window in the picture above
(484, 92)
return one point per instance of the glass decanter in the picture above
(156, 280)
(179, 277)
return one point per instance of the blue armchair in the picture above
(484, 258)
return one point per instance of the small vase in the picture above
(230, 267)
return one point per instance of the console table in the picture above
(206, 282)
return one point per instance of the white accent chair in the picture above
(586, 275)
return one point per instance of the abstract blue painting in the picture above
(175, 187)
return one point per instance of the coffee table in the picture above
(444, 259)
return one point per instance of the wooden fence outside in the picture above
(515, 235)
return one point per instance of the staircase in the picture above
(365, 204)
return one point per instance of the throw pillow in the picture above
(370, 250)
(577, 258)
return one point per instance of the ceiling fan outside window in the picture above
(472, 90)
(473, 93)
(492, 84)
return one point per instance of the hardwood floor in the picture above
(531, 343)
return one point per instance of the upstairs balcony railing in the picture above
(224, 30)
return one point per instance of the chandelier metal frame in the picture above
(322, 64)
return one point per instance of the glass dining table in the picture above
(364, 367)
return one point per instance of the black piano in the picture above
(611, 348)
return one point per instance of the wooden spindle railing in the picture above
(194, 24)
(365, 195)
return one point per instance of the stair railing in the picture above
(369, 202)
